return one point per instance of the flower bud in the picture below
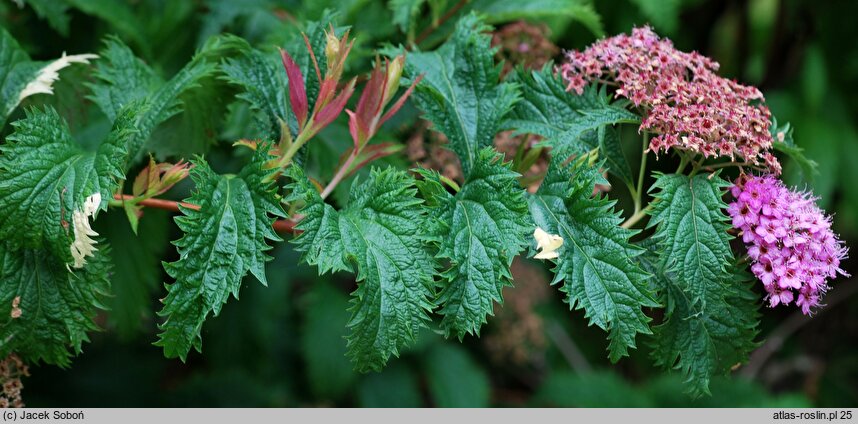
(394, 74)
(332, 48)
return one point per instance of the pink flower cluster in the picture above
(685, 103)
(789, 239)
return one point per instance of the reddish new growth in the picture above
(685, 104)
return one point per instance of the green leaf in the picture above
(54, 11)
(497, 11)
(404, 14)
(784, 143)
(223, 241)
(460, 93)
(691, 228)
(323, 343)
(395, 387)
(571, 124)
(264, 82)
(664, 14)
(122, 78)
(45, 177)
(479, 231)
(596, 261)
(57, 306)
(17, 71)
(455, 380)
(705, 331)
(378, 237)
(138, 258)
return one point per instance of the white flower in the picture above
(83, 244)
(548, 243)
(50, 73)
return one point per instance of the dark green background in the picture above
(283, 345)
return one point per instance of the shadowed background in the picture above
(283, 345)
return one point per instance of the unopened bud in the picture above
(332, 48)
(394, 74)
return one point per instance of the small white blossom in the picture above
(83, 244)
(548, 243)
(43, 83)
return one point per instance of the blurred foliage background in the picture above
(283, 345)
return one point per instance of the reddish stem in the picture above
(281, 225)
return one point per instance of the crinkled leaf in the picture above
(378, 237)
(57, 307)
(45, 177)
(571, 124)
(223, 241)
(16, 72)
(596, 261)
(478, 231)
(263, 80)
(460, 93)
(706, 337)
(122, 78)
(691, 228)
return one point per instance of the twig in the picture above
(281, 225)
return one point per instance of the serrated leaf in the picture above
(57, 307)
(691, 228)
(571, 124)
(20, 77)
(460, 93)
(264, 82)
(706, 337)
(223, 241)
(122, 78)
(595, 262)
(378, 237)
(45, 177)
(479, 231)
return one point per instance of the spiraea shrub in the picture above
(687, 268)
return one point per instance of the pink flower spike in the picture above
(297, 91)
(790, 242)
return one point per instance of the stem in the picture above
(682, 163)
(281, 225)
(341, 173)
(725, 165)
(641, 174)
(636, 217)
